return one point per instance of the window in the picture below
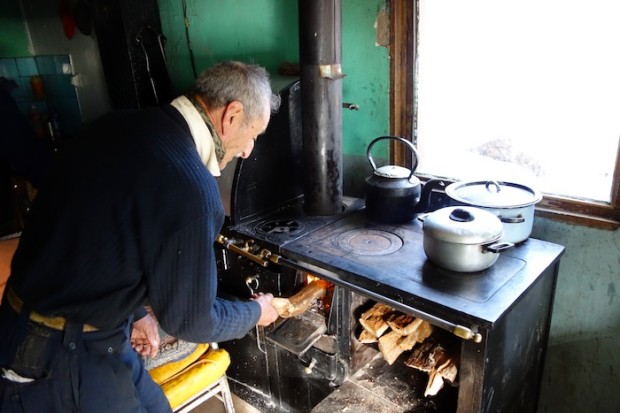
(525, 91)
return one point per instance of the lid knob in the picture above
(461, 215)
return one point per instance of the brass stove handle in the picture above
(466, 333)
(229, 244)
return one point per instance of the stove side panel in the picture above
(505, 374)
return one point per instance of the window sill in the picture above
(579, 213)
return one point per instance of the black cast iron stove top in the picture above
(289, 223)
(388, 261)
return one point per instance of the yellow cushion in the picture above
(196, 377)
(165, 371)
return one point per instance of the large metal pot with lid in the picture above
(512, 203)
(393, 194)
(463, 239)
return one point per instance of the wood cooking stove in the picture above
(496, 320)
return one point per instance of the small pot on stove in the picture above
(393, 194)
(463, 239)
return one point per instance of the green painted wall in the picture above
(582, 369)
(265, 32)
(14, 40)
(367, 82)
(260, 31)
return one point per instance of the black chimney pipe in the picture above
(320, 49)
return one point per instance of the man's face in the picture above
(242, 135)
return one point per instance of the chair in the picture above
(192, 380)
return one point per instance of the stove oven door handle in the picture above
(229, 244)
(458, 330)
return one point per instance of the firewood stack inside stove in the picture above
(397, 333)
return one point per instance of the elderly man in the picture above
(129, 217)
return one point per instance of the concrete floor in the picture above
(214, 405)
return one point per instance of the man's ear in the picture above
(233, 113)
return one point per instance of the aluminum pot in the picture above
(514, 204)
(463, 239)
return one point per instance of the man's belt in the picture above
(57, 323)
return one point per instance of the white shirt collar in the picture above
(201, 134)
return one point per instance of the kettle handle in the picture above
(396, 138)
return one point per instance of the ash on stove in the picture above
(380, 387)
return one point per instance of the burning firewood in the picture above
(300, 302)
(373, 320)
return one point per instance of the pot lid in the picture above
(463, 225)
(493, 194)
(393, 171)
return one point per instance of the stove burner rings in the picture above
(280, 227)
(369, 242)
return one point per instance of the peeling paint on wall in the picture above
(382, 29)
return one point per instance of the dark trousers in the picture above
(71, 371)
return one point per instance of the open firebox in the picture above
(369, 323)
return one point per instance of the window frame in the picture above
(403, 38)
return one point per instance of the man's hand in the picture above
(268, 313)
(145, 336)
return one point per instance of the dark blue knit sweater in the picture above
(130, 214)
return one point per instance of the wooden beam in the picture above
(402, 64)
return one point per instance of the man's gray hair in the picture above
(229, 81)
